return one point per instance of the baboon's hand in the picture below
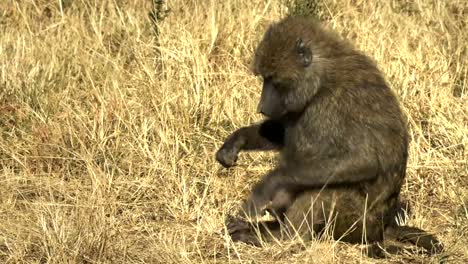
(227, 156)
(235, 224)
(240, 230)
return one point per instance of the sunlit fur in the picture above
(345, 146)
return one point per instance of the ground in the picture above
(109, 123)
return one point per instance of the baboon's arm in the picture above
(268, 135)
(332, 171)
(280, 185)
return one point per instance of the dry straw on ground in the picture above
(107, 130)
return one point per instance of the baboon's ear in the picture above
(304, 52)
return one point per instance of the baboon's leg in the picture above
(339, 212)
(293, 222)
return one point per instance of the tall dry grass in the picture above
(108, 127)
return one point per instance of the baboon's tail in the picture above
(409, 234)
(415, 236)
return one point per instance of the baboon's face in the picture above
(272, 98)
(281, 63)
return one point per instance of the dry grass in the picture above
(107, 133)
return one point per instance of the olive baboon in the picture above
(342, 139)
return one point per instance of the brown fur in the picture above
(341, 134)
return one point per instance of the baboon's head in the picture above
(288, 60)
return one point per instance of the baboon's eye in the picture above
(304, 52)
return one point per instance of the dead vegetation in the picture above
(108, 127)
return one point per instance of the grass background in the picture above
(109, 124)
